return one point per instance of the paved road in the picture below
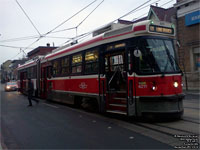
(54, 126)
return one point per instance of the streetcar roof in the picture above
(139, 28)
(98, 40)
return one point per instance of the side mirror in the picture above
(137, 53)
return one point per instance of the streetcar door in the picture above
(131, 102)
(116, 79)
(44, 82)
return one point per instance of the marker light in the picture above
(175, 84)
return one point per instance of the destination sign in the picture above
(159, 29)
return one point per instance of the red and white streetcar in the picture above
(130, 70)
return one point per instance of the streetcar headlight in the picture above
(153, 88)
(7, 87)
(175, 84)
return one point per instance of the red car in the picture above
(11, 86)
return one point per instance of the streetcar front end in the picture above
(157, 77)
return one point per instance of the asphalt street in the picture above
(53, 126)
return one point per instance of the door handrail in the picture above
(113, 75)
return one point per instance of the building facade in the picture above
(41, 50)
(5, 71)
(188, 36)
(8, 70)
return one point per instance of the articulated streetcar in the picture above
(130, 70)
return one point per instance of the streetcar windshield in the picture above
(158, 56)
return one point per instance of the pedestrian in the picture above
(30, 92)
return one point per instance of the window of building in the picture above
(196, 56)
(77, 63)
(91, 62)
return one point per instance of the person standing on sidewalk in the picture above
(30, 92)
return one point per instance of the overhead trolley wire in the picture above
(89, 14)
(150, 4)
(28, 17)
(87, 33)
(62, 30)
(69, 18)
(12, 46)
(130, 12)
(20, 38)
(167, 3)
(61, 23)
(41, 36)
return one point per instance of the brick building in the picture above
(188, 36)
(41, 50)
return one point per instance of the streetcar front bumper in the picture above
(160, 105)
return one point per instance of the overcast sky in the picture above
(48, 14)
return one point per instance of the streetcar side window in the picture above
(91, 62)
(31, 72)
(65, 66)
(56, 67)
(77, 63)
(116, 61)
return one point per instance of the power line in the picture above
(167, 3)
(20, 38)
(89, 14)
(130, 12)
(87, 33)
(56, 37)
(69, 18)
(41, 36)
(150, 4)
(12, 46)
(145, 7)
(33, 37)
(28, 17)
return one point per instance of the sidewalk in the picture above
(192, 94)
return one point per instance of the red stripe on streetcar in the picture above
(77, 46)
(139, 28)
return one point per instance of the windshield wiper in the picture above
(172, 63)
(177, 64)
(163, 73)
(169, 59)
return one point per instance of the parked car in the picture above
(11, 86)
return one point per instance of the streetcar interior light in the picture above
(175, 84)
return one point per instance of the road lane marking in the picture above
(50, 105)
